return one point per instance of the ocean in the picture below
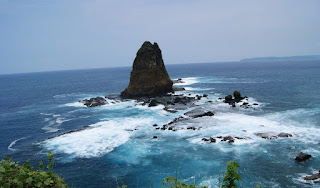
(116, 144)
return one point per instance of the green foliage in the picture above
(14, 175)
(229, 179)
(173, 182)
(231, 175)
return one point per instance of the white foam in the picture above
(49, 129)
(75, 104)
(100, 139)
(188, 81)
(197, 89)
(13, 143)
(239, 124)
(54, 122)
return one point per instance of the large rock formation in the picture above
(149, 76)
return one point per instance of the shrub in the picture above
(14, 175)
(229, 179)
(231, 175)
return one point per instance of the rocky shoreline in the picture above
(151, 86)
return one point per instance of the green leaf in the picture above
(20, 184)
(50, 156)
(49, 166)
(39, 184)
(29, 180)
(2, 169)
(41, 165)
(47, 182)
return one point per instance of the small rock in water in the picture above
(153, 103)
(313, 177)
(228, 98)
(198, 112)
(155, 125)
(205, 139)
(267, 135)
(155, 137)
(178, 89)
(302, 157)
(228, 138)
(212, 140)
(237, 94)
(284, 135)
(93, 102)
(178, 81)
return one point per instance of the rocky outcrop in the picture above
(228, 139)
(149, 76)
(237, 98)
(93, 102)
(302, 157)
(209, 139)
(237, 95)
(272, 135)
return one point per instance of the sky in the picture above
(48, 35)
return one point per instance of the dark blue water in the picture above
(37, 106)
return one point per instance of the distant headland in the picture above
(289, 58)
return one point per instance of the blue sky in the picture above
(46, 35)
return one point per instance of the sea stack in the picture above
(149, 76)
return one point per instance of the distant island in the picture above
(290, 58)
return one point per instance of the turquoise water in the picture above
(37, 106)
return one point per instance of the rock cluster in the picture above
(196, 113)
(272, 135)
(149, 76)
(237, 98)
(93, 102)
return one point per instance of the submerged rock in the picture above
(212, 140)
(228, 138)
(302, 157)
(313, 177)
(178, 81)
(284, 135)
(178, 89)
(267, 135)
(149, 76)
(153, 103)
(198, 112)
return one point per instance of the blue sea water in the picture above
(38, 106)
